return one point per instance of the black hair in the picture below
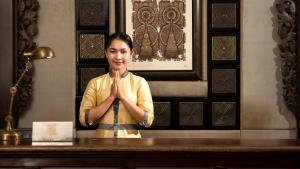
(121, 36)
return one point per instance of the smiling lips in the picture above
(118, 62)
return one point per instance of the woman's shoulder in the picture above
(134, 76)
(99, 78)
(137, 78)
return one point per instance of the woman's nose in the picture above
(119, 55)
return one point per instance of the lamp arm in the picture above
(13, 90)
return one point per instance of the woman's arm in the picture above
(138, 111)
(98, 111)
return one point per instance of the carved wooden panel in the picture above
(191, 113)
(27, 29)
(92, 12)
(86, 74)
(287, 34)
(91, 46)
(223, 15)
(162, 114)
(223, 113)
(223, 48)
(288, 30)
(223, 80)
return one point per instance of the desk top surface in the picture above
(155, 145)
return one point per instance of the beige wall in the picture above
(262, 106)
(263, 114)
(54, 79)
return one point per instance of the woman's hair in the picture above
(121, 36)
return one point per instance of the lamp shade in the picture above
(40, 53)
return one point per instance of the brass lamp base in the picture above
(10, 136)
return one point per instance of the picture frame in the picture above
(167, 68)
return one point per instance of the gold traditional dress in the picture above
(117, 121)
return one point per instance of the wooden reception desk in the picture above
(153, 153)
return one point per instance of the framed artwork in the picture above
(166, 37)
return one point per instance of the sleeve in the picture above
(89, 100)
(145, 102)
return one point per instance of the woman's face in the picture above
(118, 55)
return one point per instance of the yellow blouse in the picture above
(117, 121)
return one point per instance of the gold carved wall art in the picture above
(166, 35)
(223, 48)
(92, 46)
(158, 30)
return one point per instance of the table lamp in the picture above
(40, 53)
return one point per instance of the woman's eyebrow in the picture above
(117, 49)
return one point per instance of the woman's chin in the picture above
(118, 68)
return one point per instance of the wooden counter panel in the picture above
(134, 153)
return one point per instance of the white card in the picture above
(52, 131)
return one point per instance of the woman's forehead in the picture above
(118, 44)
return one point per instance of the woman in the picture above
(119, 100)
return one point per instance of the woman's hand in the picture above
(117, 81)
(116, 89)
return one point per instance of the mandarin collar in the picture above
(123, 75)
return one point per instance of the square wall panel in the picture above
(86, 74)
(162, 114)
(224, 113)
(223, 15)
(224, 81)
(91, 46)
(93, 12)
(191, 113)
(223, 48)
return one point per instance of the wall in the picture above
(6, 49)
(53, 81)
(263, 114)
